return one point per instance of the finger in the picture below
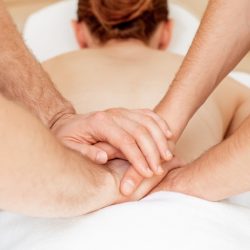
(130, 182)
(119, 138)
(157, 134)
(91, 152)
(112, 152)
(175, 167)
(94, 154)
(146, 143)
(160, 121)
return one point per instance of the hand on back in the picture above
(139, 136)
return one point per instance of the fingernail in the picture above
(169, 155)
(160, 170)
(101, 157)
(128, 187)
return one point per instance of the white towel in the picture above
(160, 221)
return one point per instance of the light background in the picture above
(20, 10)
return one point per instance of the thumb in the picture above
(111, 151)
(94, 153)
(132, 179)
(130, 182)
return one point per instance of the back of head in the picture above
(122, 19)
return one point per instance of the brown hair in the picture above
(122, 19)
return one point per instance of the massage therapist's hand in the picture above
(118, 169)
(140, 136)
(173, 181)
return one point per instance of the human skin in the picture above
(221, 42)
(24, 81)
(216, 120)
(40, 177)
(220, 173)
(224, 38)
(34, 88)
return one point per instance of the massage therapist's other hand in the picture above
(118, 169)
(177, 180)
(140, 136)
(132, 182)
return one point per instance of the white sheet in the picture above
(48, 32)
(160, 221)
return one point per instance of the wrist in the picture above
(186, 180)
(175, 182)
(181, 180)
(64, 113)
(177, 107)
(175, 121)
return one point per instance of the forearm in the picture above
(221, 42)
(220, 173)
(39, 177)
(22, 79)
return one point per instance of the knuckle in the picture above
(116, 110)
(157, 117)
(141, 131)
(128, 140)
(150, 124)
(137, 178)
(147, 111)
(112, 110)
(161, 120)
(149, 120)
(100, 116)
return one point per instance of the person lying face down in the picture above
(123, 63)
(100, 22)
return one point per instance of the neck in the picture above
(129, 43)
(125, 48)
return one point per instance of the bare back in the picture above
(138, 77)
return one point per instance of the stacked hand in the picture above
(144, 186)
(139, 136)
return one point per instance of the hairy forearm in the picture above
(22, 79)
(221, 42)
(39, 177)
(218, 174)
